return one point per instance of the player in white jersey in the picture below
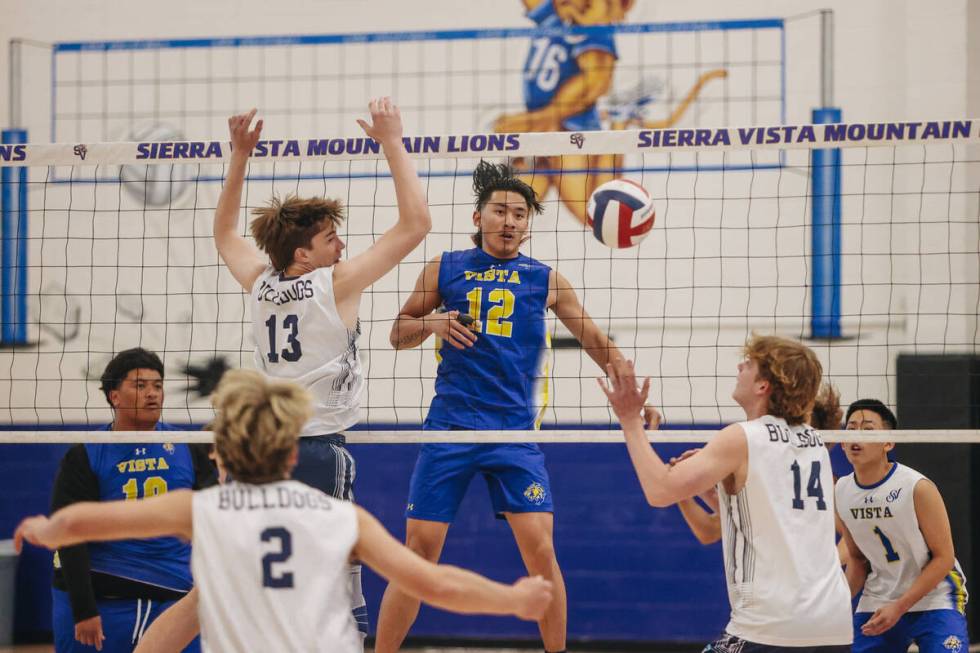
(901, 549)
(305, 300)
(706, 525)
(786, 588)
(270, 554)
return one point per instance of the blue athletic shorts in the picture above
(515, 474)
(123, 623)
(935, 631)
(326, 464)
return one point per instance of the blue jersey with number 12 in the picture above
(137, 471)
(552, 62)
(500, 382)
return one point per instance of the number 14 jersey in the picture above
(300, 337)
(785, 583)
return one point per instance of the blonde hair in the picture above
(827, 413)
(257, 424)
(286, 224)
(793, 372)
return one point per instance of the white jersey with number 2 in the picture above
(785, 582)
(300, 337)
(271, 563)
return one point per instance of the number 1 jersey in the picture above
(300, 337)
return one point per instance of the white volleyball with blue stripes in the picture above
(620, 213)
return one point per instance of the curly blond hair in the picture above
(793, 372)
(286, 224)
(257, 424)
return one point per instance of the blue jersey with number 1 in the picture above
(137, 471)
(501, 381)
(552, 61)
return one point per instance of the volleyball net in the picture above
(860, 238)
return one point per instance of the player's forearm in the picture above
(856, 574)
(469, 593)
(932, 574)
(706, 527)
(226, 213)
(408, 332)
(413, 209)
(650, 469)
(599, 347)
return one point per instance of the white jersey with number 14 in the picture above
(785, 582)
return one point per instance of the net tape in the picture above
(935, 436)
(718, 139)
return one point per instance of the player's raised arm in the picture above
(417, 319)
(167, 514)
(664, 485)
(414, 222)
(443, 586)
(243, 259)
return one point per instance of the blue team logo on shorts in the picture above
(953, 643)
(535, 494)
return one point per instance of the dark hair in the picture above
(488, 177)
(286, 224)
(875, 406)
(826, 413)
(123, 363)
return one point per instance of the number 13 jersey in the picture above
(785, 582)
(300, 337)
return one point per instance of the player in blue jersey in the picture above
(492, 375)
(564, 76)
(106, 594)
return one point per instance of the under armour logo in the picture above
(869, 499)
(140, 451)
(80, 151)
(577, 139)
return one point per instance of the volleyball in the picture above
(620, 213)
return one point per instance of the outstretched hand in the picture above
(627, 400)
(386, 121)
(33, 530)
(243, 139)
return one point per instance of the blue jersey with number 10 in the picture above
(500, 382)
(552, 61)
(137, 471)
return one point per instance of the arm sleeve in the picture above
(205, 473)
(76, 482)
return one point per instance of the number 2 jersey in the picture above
(785, 582)
(271, 564)
(501, 382)
(300, 337)
(881, 518)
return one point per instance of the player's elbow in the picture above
(707, 537)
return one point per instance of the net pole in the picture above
(13, 231)
(825, 169)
